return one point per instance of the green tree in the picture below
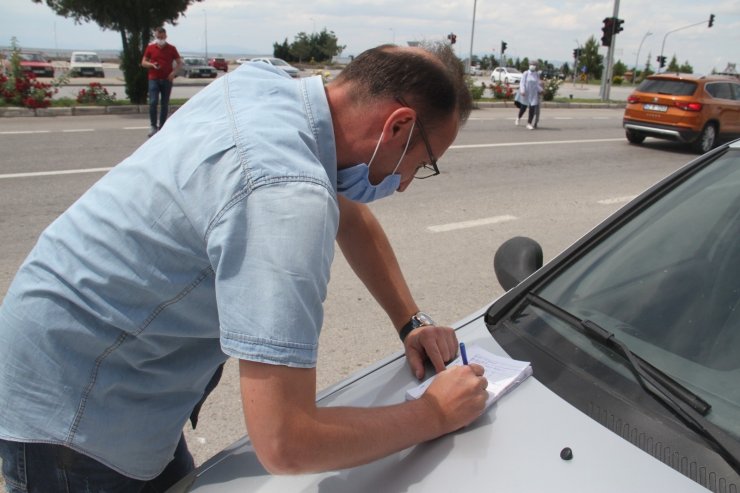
(673, 65)
(619, 69)
(281, 50)
(591, 59)
(686, 68)
(318, 47)
(134, 20)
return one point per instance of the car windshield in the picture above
(667, 284)
(671, 87)
(32, 57)
(278, 62)
(87, 58)
(194, 61)
(513, 71)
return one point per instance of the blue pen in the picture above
(463, 354)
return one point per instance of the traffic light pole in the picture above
(606, 77)
(662, 46)
(472, 37)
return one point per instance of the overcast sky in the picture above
(546, 29)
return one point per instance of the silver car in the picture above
(196, 67)
(633, 334)
(279, 63)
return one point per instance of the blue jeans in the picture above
(159, 87)
(46, 468)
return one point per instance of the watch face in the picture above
(422, 319)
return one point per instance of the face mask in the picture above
(354, 182)
(532, 68)
(161, 42)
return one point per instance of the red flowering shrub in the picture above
(95, 93)
(19, 88)
(502, 91)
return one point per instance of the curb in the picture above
(14, 111)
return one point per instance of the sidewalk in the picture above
(618, 97)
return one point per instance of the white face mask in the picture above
(532, 68)
(161, 42)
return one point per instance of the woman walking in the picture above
(529, 93)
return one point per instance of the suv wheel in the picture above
(634, 137)
(706, 140)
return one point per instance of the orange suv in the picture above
(696, 109)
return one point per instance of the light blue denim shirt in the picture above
(214, 238)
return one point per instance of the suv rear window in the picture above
(671, 87)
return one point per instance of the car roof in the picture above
(691, 77)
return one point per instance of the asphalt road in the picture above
(498, 181)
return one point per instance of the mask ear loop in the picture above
(413, 124)
(377, 146)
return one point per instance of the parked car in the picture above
(506, 75)
(36, 64)
(242, 60)
(633, 334)
(695, 109)
(219, 64)
(279, 63)
(85, 64)
(194, 67)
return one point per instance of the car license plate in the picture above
(656, 107)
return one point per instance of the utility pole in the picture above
(472, 36)
(606, 77)
(637, 58)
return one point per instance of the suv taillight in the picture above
(688, 106)
(633, 99)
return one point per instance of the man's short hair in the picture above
(160, 30)
(432, 81)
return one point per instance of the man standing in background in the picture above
(158, 58)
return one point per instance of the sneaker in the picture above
(516, 122)
(529, 126)
(152, 131)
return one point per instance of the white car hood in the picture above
(514, 447)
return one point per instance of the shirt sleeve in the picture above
(272, 252)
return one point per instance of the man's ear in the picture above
(398, 124)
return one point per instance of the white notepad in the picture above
(503, 374)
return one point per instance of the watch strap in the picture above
(420, 319)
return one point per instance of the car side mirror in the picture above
(515, 260)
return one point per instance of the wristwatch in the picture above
(418, 320)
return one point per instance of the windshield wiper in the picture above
(656, 383)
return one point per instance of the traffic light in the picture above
(503, 47)
(618, 26)
(452, 37)
(608, 31)
(575, 54)
(661, 61)
(711, 20)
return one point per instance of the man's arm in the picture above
(369, 253)
(178, 66)
(291, 435)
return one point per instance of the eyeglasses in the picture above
(426, 170)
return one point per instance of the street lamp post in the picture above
(637, 58)
(205, 30)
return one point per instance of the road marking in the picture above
(616, 200)
(548, 142)
(135, 128)
(74, 130)
(53, 173)
(23, 132)
(474, 223)
(563, 118)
